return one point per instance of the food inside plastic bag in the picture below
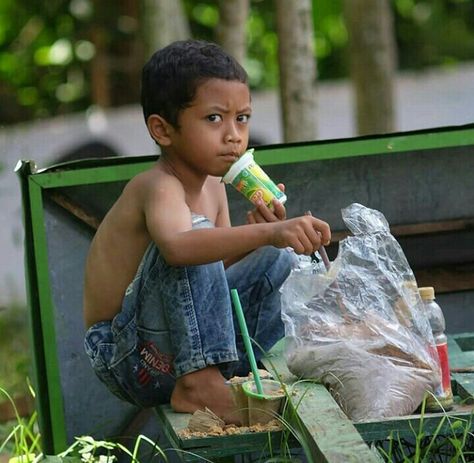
(360, 328)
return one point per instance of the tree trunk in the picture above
(100, 70)
(165, 22)
(373, 63)
(297, 69)
(231, 30)
(101, 87)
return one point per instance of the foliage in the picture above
(21, 442)
(49, 51)
(14, 350)
(23, 439)
(42, 56)
(434, 447)
(435, 32)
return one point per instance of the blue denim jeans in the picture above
(176, 320)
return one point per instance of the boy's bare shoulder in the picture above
(151, 181)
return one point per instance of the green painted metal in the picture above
(364, 146)
(47, 319)
(322, 422)
(464, 386)
(408, 427)
(460, 353)
(277, 154)
(39, 380)
(87, 176)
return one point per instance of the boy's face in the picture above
(214, 130)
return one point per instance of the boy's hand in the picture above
(262, 213)
(304, 234)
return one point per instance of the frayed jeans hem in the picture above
(215, 359)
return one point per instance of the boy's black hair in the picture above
(171, 76)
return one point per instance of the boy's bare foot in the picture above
(204, 388)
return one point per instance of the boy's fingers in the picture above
(265, 212)
(281, 186)
(250, 218)
(324, 229)
(279, 210)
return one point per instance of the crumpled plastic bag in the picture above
(360, 328)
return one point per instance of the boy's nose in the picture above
(233, 134)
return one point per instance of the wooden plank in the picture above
(447, 279)
(424, 228)
(463, 341)
(464, 385)
(319, 422)
(193, 448)
(461, 350)
(432, 227)
(330, 435)
(75, 209)
(407, 427)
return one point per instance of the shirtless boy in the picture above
(161, 265)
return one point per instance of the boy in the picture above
(160, 267)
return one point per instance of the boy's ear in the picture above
(159, 129)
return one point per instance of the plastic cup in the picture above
(263, 408)
(246, 176)
(240, 398)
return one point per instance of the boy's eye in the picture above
(214, 118)
(244, 118)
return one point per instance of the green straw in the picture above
(246, 337)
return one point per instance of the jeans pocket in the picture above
(100, 361)
(147, 373)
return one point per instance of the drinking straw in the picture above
(246, 337)
(324, 256)
(322, 252)
(327, 264)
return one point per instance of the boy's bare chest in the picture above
(206, 203)
(205, 208)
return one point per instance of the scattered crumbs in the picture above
(231, 429)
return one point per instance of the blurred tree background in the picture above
(61, 56)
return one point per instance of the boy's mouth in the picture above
(231, 157)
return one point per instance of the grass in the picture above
(453, 447)
(15, 360)
(20, 440)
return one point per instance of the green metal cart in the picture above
(422, 181)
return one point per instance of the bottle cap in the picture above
(427, 292)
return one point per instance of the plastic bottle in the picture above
(443, 393)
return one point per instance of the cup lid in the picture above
(238, 165)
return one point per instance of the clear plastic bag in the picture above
(360, 328)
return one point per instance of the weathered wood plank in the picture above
(330, 435)
(461, 350)
(194, 448)
(318, 421)
(464, 386)
(447, 279)
(422, 228)
(407, 427)
(75, 209)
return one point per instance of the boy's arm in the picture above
(260, 214)
(223, 220)
(169, 224)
